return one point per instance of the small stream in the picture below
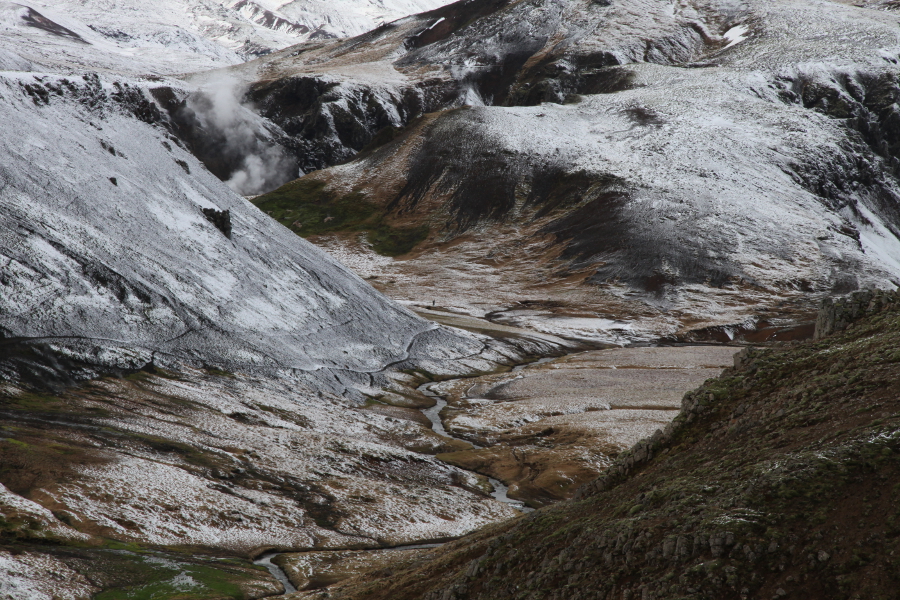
(434, 415)
(277, 572)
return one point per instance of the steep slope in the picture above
(777, 480)
(675, 167)
(111, 236)
(185, 383)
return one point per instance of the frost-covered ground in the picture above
(36, 576)
(239, 464)
(181, 36)
(340, 18)
(667, 166)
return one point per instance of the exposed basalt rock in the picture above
(220, 218)
(94, 95)
(865, 101)
(329, 122)
(837, 314)
(33, 18)
(494, 52)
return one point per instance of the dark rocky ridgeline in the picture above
(327, 122)
(777, 479)
(88, 90)
(519, 58)
(838, 314)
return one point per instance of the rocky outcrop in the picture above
(327, 121)
(836, 314)
(220, 218)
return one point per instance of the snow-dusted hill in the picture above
(252, 392)
(179, 36)
(684, 165)
(111, 237)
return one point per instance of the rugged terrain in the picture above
(185, 382)
(187, 385)
(778, 479)
(664, 168)
(180, 36)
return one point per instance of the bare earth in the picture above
(553, 426)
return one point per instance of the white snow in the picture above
(878, 241)
(735, 35)
(178, 36)
(32, 576)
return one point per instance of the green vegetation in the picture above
(32, 458)
(307, 208)
(179, 582)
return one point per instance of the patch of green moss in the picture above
(219, 372)
(307, 208)
(28, 401)
(190, 454)
(18, 443)
(166, 580)
(123, 546)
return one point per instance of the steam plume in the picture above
(236, 144)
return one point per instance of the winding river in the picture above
(434, 415)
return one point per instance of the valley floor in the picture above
(544, 428)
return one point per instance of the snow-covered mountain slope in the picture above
(178, 36)
(176, 368)
(116, 235)
(333, 18)
(712, 160)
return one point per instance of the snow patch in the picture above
(736, 35)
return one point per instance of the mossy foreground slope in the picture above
(779, 479)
